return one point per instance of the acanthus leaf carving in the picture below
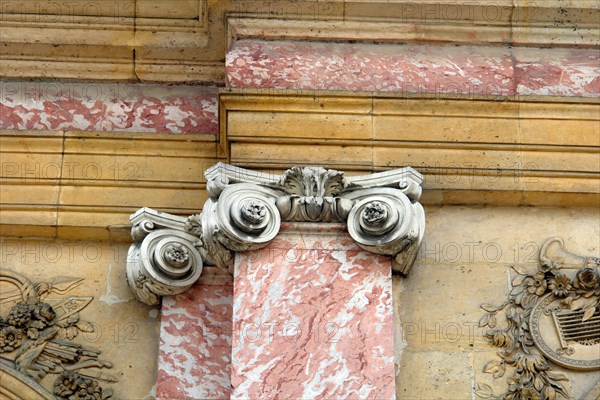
(245, 210)
(313, 182)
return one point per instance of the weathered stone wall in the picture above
(470, 93)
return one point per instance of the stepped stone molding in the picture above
(244, 212)
(521, 154)
(87, 184)
(186, 40)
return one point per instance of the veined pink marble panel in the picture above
(108, 107)
(558, 72)
(195, 342)
(370, 67)
(414, 69)
(312, 319)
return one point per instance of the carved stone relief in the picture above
(38, 338)
(551, 316)
(245, 211)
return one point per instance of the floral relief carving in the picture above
(72, 386)
(176, 254)
(551, 317)
(375, 213)
(38, 338)
(254, 211)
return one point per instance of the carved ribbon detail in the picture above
(245, 211)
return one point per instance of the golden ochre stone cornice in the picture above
(186, 40)
(470, 150)
(86, 184)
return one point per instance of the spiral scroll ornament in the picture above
(166, 262)
(247, 217)
(385, 221)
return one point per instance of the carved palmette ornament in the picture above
(245, 211)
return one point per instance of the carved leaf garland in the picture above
(507, 326)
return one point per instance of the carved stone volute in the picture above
(165, 259)
(245, 210)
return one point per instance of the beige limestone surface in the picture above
(465, 261)
(125, 331)
(185, 40)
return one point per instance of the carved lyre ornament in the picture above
(551, 316)
(245, 210)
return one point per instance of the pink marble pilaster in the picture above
(312, 318)
(195, 342)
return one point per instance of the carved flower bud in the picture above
(20, 315)
(374, 213)
(537, 284)
(377, 218)
(10, 338)
(254, 211)
(74, 386)
(176, 255)
(560, 286)
(587, 279)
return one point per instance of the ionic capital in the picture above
(245, 211)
